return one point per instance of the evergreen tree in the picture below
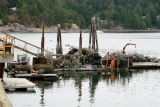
(127, 13)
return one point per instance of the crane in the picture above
(127, 45)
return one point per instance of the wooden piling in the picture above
(80, 43)
(59, 49)
(2, 70)
(42, 42)
(93, 39)
(4, 101)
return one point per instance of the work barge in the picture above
(47, 65)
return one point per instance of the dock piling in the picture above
(80, 43)
(93, 39)
(2, 70)
(42, 42)
(59, 49)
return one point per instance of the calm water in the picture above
(136, 89)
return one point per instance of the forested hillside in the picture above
(130, 14)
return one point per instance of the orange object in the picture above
(112, 63)
(112, 76)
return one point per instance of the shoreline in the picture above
(7, 29)
(132, 31)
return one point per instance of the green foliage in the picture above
(4, 11)
(131, 14)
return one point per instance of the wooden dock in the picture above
(18, 84)
(86, 70)
(4, 101)
(80, 69)
(35, 76)
(74, 70)
(145, 65)
(137, 65)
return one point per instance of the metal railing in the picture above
(33, 51)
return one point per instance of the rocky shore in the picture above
(20, 28)
(23, 29)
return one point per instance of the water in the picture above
(123, 89)
(147, 43)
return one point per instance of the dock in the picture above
(35, 76)
(17, 84)
(80, 69)
(4, 101)
(145, 65)
(86, 70)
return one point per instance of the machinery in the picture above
(19, 66)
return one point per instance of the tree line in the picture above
(130, 14)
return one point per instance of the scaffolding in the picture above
(6, 49)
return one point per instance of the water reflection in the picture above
(78, 84)
(43, 85)
(93, 79)
(112, 77)
(93, 82)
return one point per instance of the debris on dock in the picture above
(20, 66)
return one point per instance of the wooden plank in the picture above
(25, 50)
(15, 83)
(145, 65)
(4, 101)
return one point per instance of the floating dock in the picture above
(35, 76)
(136, 65)
(79, 69)
(145, 65)
(74, 70)
(17, 84)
